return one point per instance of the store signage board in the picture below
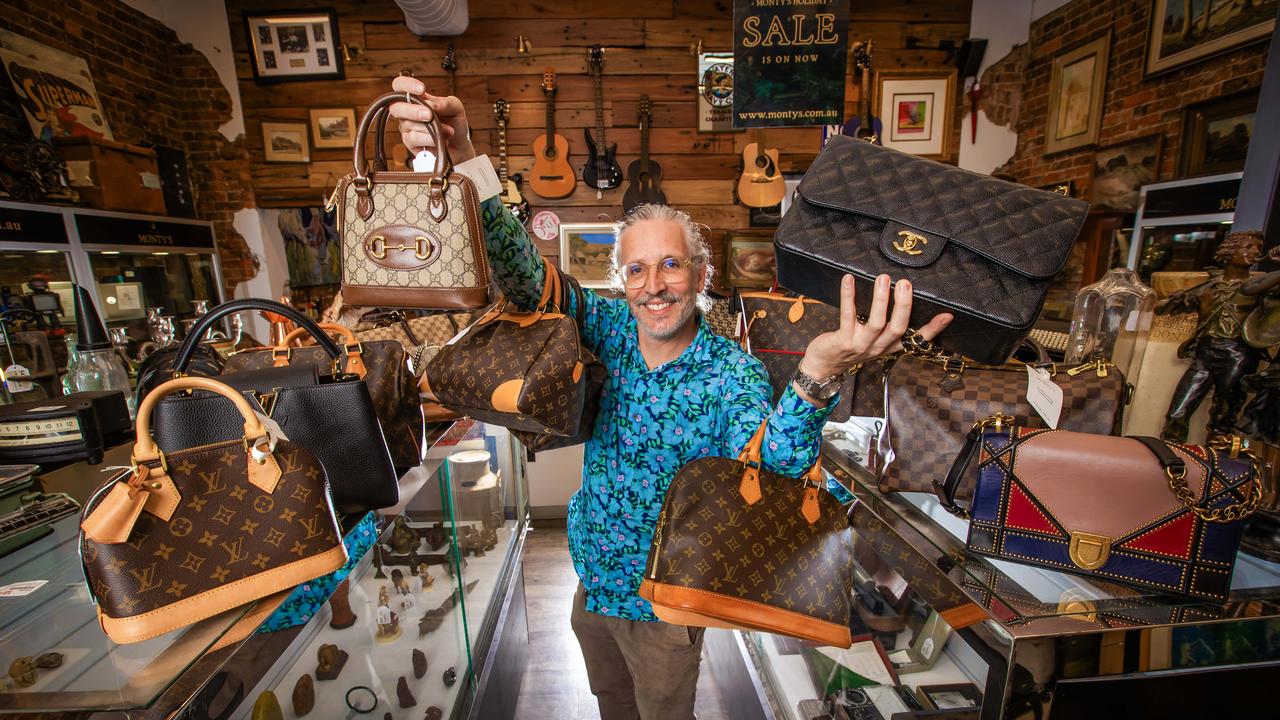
(54, 89)
(31, 226)
(789, 60)
(148, 234)
(715, 92)
(1210, 198)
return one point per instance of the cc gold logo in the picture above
(909, 241)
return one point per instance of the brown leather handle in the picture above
(348, 337)
(749, 488)
(381, 106)
(144, 447)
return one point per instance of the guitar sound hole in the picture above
(550, 153)
(762, 161)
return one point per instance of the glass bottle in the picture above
(96, 366)
(1111, 321)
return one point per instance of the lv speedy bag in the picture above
(321, 408)
(932, 403)
(381, 364)
(739, 546)
(521, 370)
(779, 328)
(410, 239)
(187, 534)
(982, 249)
(1133, 510)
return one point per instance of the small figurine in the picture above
(403, 538)
(377, 562)
(329, 662)
(419, 664)
(433, 713)
(267, 707)
(489, 537)
(422, 579)
(454, 563)
(470, 541)
(340, 604)
(23, 671)
(408, 604)
(304, 695)
(49, 660)
(388, 622)
(493, 520)
(399, 583)
(450, 677)
(406, 698)
(431, 621)
(437, 536)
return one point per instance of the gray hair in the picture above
(693, 240)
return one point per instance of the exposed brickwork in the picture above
(1133, 106)
(1002, 87)
(153, 89)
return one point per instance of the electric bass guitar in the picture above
(511, 196)
(761, 184)
(864, 125)
(450, 66)
(602, 171)
(643, 175)
(552, 175)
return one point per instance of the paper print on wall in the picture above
(586, 252)
(1120, 171)
(310, 246)
(913, 119)
(1076, 88)
(294, 45)
(54, 89)
(1216, 134)
(1073, 103)
(1184, 31)
(750, 261)
(917, 106)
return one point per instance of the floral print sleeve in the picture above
(794, 435)
(513, 257)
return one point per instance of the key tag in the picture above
(424, 161)
(1044, 395)
(11, 376)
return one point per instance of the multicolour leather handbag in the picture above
(739, 546)
(187, 534)
(1139, 511)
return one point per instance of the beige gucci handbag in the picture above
(409, 239)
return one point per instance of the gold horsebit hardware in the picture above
(909, 241)
(378, 247)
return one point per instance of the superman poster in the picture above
(54, 89)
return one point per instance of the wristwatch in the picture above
(820, 390)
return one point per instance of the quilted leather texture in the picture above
(780, 343)
(1004, 241)
(926, 423)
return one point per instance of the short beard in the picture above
(687, 306)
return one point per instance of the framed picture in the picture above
(333, 127)
(916, 107)
(1185, 31)
(1120, 171)
(285, 142)
(749, 260)
(1075, 96)
(54, 89)
(586, 252)
(310, 246)
(957, 696)
(1216, 134)
(287, 46)
(1066, 187)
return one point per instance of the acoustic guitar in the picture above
(864, 125)
(511, 196)
(761, 184)
(602, 171)
(643, 175)
(552, 175)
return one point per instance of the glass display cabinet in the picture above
(1180, 223)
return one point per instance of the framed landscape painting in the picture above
(1185, 31)
(586, 252)
(1075, 96)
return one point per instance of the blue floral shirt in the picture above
(707, 402)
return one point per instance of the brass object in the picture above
(1073, 602)
(330, 661)
(421, 247)
(909, 241)
(1089, 551)
(23, 671)
(1230, 513)
(267, 707)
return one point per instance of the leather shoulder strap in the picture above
(1169, 460)
(946, 490)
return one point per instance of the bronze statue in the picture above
(403, 538)
(1221, 356)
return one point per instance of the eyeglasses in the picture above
(670, 270)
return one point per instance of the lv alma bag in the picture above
(1139, 511)
(409, 239)
(739, 546)
(982, 249)
(191, 533)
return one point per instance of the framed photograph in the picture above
(1120, 171)
(749, 259)
(957, 696)
(288, 46)
(1185, 31)
(917, 107)
(586, 252)
(1075, 96)
(333, 127)
(1216, 134)
(285, 142)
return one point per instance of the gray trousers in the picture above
(637, 669)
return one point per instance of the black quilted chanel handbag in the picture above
(982, 249)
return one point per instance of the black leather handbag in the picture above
(982, 249)
(327, 411)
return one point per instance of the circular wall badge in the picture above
(717, 84)
(546, 225)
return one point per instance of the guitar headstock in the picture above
(862, 54)
(449, 64)
(549, 82)
(595, 59)
(646, 108)
(501, 111)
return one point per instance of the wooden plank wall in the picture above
(647, 46)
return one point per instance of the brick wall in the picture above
(153, 89)
(1133, 107)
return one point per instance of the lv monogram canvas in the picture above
(739, 546)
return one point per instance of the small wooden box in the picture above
(110, 175)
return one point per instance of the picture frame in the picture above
(749, 259)
(285, 142)
(586, 252)
(294, 45)
(1076, 90)
(1066, 188)
(1170, 45)
(333, 127)
(1119, 171)
(953, 696)
(917, 108)
(1216, 134)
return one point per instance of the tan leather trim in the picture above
(687, 617)
(250, 621)
(749, 488)
(144, 448)
(809, 507)
(962, 616)
(424, 390)
(189, 611)
(112, 520)
(766, 295)
(162, 501)
(796, 312)
(355, 364)
(435, 298)
(506, 397)
(264, 475)
(746, 613)
(435, 412)
(348, 337)
(577, 371)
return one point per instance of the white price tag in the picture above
(1044, 395)
(11, 375)
(22, 589)
(424, 161)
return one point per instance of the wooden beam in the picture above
(501, 33)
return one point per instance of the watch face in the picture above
(717, 85)
(546, 225)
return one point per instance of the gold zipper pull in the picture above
(332, 203)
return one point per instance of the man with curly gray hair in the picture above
(695, 245)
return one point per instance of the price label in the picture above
(1044, 395)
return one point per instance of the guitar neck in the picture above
(551, 117)
(502, 153)
(864, 102)
(644, 141)
(600, 108)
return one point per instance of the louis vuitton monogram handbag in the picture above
(191, 533)
(739, 546)
(409, 239)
